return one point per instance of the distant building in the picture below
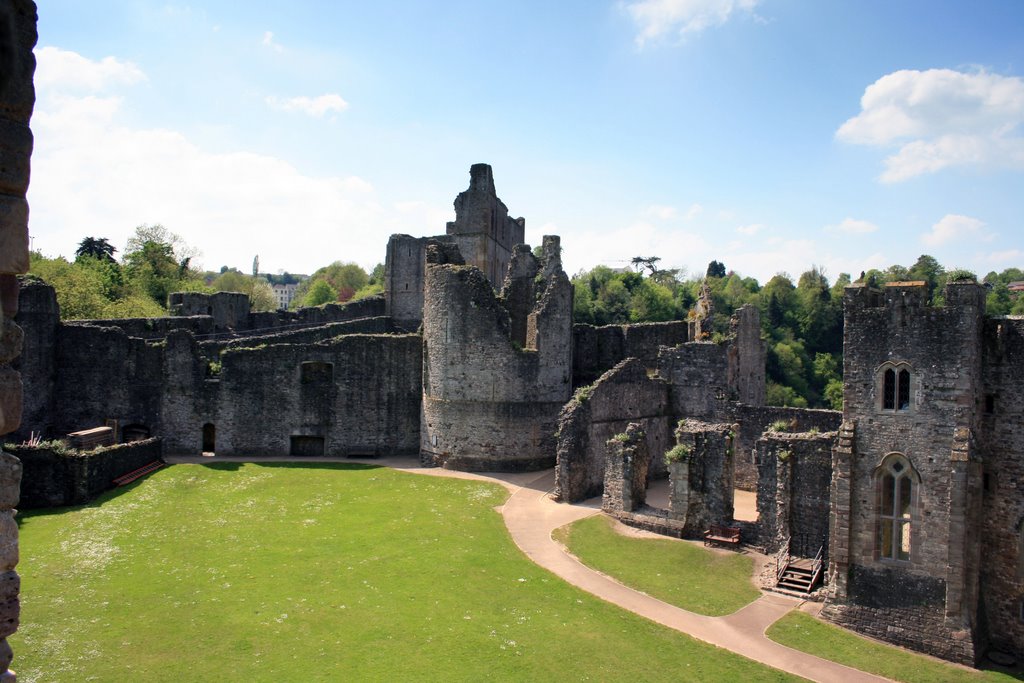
(284, 294)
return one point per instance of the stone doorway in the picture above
(209, 438)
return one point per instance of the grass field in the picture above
(318, 573)
(803, 632)
(681, 574)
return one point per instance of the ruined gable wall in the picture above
(753, 421)
(622, 396)
(17, 98)
(935, 589)
(598, 349)
(1001, 440)
(189, 394)
(488, 404)
(698, 374)
(747, 357)
(366, 404)
(482, 229)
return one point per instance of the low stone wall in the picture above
(753, 421)
(53, 477)
(152, 328)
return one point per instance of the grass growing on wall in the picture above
(681, 574)
(271, 572)
(805, 633)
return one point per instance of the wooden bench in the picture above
(719, 533)
(135, 474)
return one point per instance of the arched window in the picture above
(895, 387)
(897, 494)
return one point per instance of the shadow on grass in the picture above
(114, 493)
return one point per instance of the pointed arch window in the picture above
(895, 387)
(897, 496)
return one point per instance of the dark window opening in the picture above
(990, 403)
(209, 438)
(134, 432)
(904, 390)
(895, 510)
(889, 390)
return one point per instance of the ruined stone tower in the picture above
(491, 397)
(907, 472)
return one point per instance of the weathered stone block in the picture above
(10, 399)
(10, 480)
(15, 150)
(13, 234)
(10, 613)
(8, 295)
(10, 585)
(6, 655)
(8, 541)
(11, 338)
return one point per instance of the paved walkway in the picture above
(531, 515)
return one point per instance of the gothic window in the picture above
(897, 493)
(895, 387)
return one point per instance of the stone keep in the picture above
(17, 98)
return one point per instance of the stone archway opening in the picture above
(209, 438)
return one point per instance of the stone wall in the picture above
(623, 395)
(931, 428)
(488, 403)
(625, 471)
(482, 229)
(793, 496)
(151, 329)
(598, 349)
(352, 395)
(753, 421)
(17, 98)
(55, 477)
(710, 485)
(229, 310)
(1001, 439)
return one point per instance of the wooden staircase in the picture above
(798, 575)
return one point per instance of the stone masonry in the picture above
(17, 98)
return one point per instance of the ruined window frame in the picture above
(894, 382)
(895, 537)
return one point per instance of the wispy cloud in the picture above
(313, 106)
(268, 41)
(952, 228)
(70, 71)
(657, 19)
(940, 118)
(750, 230)
(852, 226)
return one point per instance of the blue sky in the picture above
(768, 134)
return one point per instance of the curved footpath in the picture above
(531, 515)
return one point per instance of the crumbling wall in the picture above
(352, 395)
(625, 471)
(38, 316)
(482, 229)
(489, 404)
(55, 477)
(598, 349)
(623, 395)
(753, 421)
(151, 329)
(698, 374)
(17, 98)
(793, 499)
(747, 356)
(709, 487)
(229, 310)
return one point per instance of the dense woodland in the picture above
(802, 321)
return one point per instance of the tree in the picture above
(158, 262)
(96, 247)
(320, 292)
(716, 269)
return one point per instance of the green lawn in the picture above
(803, 632)
(681, 574)
(319, 572)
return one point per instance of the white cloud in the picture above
(70, 71)
(940, 118)
(852, 226)
(313, 106)
(750, 230)
(1007, 257)
(953, 227)
(656, 19)
(95, 175)
(268, 41)
(667, 213)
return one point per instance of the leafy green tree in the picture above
(320, 292)
(716, 269)
(96, 247)
(158, 262)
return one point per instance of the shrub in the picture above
(679, 453)
(961, 275)
(779, 426)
